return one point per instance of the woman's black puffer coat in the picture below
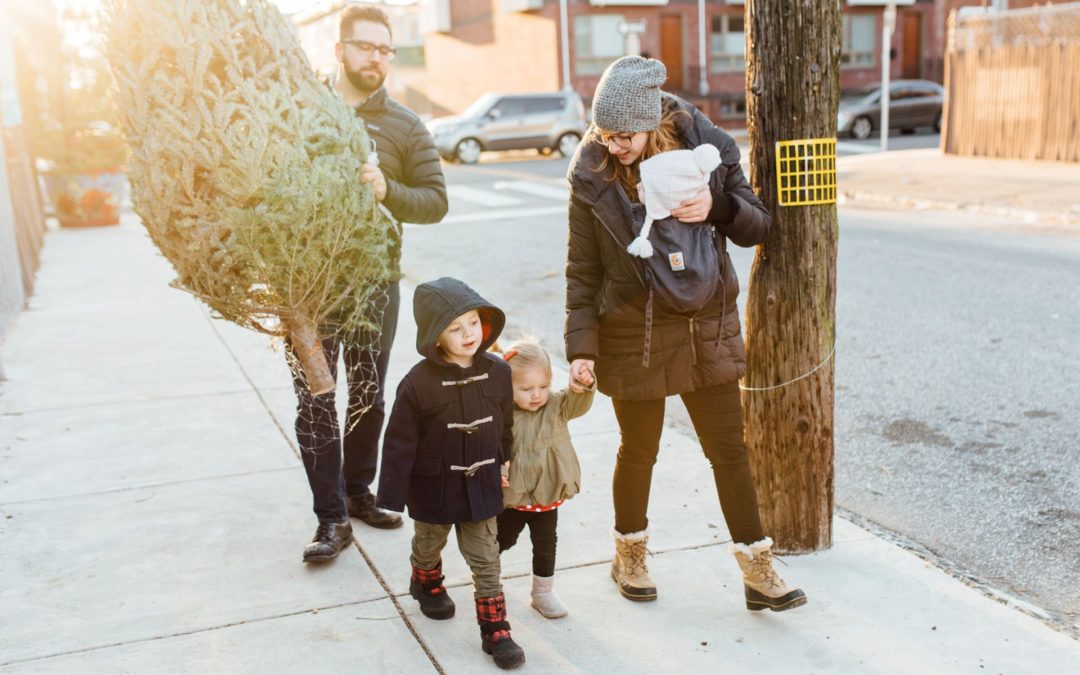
(606, 293)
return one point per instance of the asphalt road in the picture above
(957, 365)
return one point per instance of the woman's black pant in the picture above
(542, 526)
(716, 413)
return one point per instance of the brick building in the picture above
(452, 51)
(476, 46)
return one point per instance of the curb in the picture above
(960, 573)
(1027, 217)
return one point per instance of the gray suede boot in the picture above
(544, 600)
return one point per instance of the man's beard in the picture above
(366, 82)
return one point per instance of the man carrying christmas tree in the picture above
(407, 181)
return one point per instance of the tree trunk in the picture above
(793, 86)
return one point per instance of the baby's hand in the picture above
(585, 378)
(581, 375)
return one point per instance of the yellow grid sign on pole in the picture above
(806, 171)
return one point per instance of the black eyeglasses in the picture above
(366, 48)
(622, 141)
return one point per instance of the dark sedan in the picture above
(913, 104)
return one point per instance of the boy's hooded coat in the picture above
(447, 419)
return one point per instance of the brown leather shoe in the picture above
(329, 540)
(363, 507)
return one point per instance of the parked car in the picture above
(913, 103)
(545, 122)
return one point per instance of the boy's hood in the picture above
(437, 303)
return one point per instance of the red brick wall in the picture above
(490, 50)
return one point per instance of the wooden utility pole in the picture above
(793, 88)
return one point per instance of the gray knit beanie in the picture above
(628, 95)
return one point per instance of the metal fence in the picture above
(1013, 83)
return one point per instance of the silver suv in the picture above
(542, 122)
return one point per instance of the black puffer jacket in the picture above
(426, 447)
(415, 186)
(606, 292)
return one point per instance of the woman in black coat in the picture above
(698, 355)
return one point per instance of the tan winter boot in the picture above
(628, 568)
(764, 587)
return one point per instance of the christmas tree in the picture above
(245, 168)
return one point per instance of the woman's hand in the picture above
(581, 375)
(696, 209)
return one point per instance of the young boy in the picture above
(449, 432)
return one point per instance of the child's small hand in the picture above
(586, 377)
(581, 375)
(505, 474)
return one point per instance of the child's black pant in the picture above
(542, 526)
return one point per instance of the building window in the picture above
(733, 109)
(409, 56)
(860, 41)
(597, 42)
(728, 43)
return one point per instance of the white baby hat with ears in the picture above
(667, 180)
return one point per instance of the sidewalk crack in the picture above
(196, 631)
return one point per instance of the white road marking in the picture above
(509, 215)
(547, 190)
(481, 197)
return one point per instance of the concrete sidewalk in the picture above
(153, 511)
(1045, 193)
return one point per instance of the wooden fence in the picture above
(26, 203)
(1013, 85)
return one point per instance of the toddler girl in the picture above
(543, 470)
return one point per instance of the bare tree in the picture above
(793, 86)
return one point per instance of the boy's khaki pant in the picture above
(478, 543)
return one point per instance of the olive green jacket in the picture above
(543, 465)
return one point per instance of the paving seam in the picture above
(577, 566)
(240, 367)
(397, 605)
(196, 631)
(148, 486)
(101, 404)
(296, 451)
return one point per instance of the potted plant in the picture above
(85, 176)
(71, 120)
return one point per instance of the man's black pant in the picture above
(318, 432)
(716, 413)
(542, 526)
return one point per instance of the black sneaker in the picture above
(363, 507)
(329, 540)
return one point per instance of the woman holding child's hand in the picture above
(642, 351)
(581, 374)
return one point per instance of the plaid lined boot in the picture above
(628, 567)
(427, 587)
(764, 588)
(495, 632)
